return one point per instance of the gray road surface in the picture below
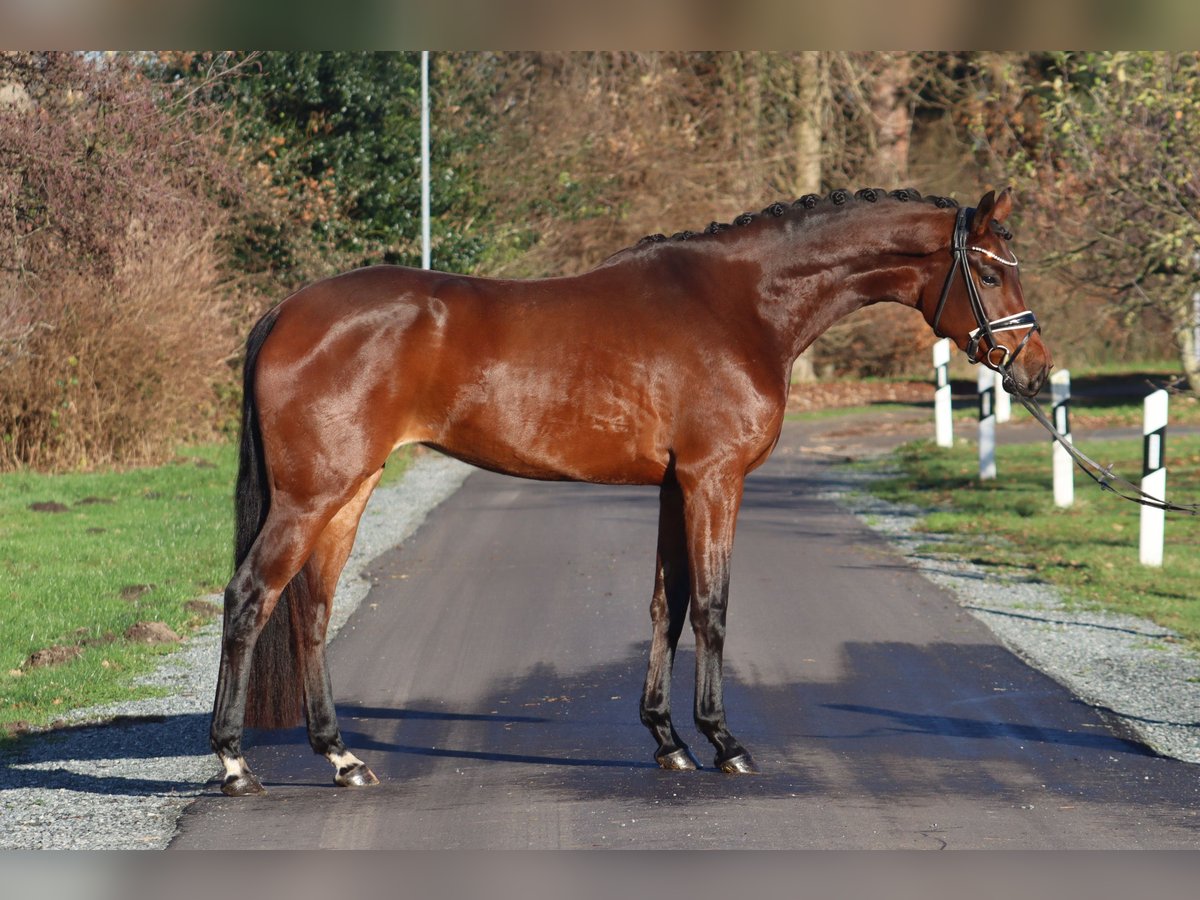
(491, 680)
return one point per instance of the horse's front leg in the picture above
(711, 505)
(668, 609)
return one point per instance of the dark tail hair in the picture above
(276, 694)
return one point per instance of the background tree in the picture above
(333, 139)
(1120, 151)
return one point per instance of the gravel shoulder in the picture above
(119, 776)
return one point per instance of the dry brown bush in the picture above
(115, 307)
(120, 369)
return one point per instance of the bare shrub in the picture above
(114, 307)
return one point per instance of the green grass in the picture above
(1090, 551)
(127, 547)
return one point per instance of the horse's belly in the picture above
(550, 431)
(553, 451)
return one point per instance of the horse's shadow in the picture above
(102, 757)
(545, 721)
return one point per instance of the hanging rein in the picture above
(987, 329)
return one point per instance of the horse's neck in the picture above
(807, 286)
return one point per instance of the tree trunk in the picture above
(1187, 339)
(806, 137)
(806, 130)
(891, 110)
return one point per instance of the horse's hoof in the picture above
(242, 785)
(741, 764)
(680, 760)
(356, 776)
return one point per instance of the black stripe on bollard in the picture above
(1062, 417)
(987, 400)
(1154, 451)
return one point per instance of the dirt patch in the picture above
(48, 506)
(52, 656)
(151, 633)
(132, 592)
(95, 501)
(837, 394)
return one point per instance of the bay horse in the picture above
(666, 365)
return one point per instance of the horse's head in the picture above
(980, 305)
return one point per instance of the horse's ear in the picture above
(991, 208)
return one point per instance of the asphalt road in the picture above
(491, 680)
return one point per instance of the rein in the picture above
(1102, 475)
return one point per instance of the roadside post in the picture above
(987, 424)
(425, 242)
(1003, 400)
(943, 419)
(1063, 465)
(1154, 477)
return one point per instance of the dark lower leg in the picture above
(667, 614)
(710, 707)
(244, 611)
(667, 610)
(323, 733)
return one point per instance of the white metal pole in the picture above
(943, 420)
(987, 424)
(1063, 465)
(1154, 477)
(425, 247)
(1003, 400)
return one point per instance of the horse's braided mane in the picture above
(807, 202)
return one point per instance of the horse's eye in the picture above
(989, 280)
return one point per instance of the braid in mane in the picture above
(838, 198)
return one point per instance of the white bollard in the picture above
(943, 419)
(1003, 401)
(987, 424)
(1063, 465)
(1154, 477)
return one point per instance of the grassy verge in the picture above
(1089, 551)
(1185, 410)
(85, 557)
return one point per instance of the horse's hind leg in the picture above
(285, 541)
(326, 563)
(668, 610)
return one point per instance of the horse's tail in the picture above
(276, 693)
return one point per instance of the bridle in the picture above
(986, 328)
